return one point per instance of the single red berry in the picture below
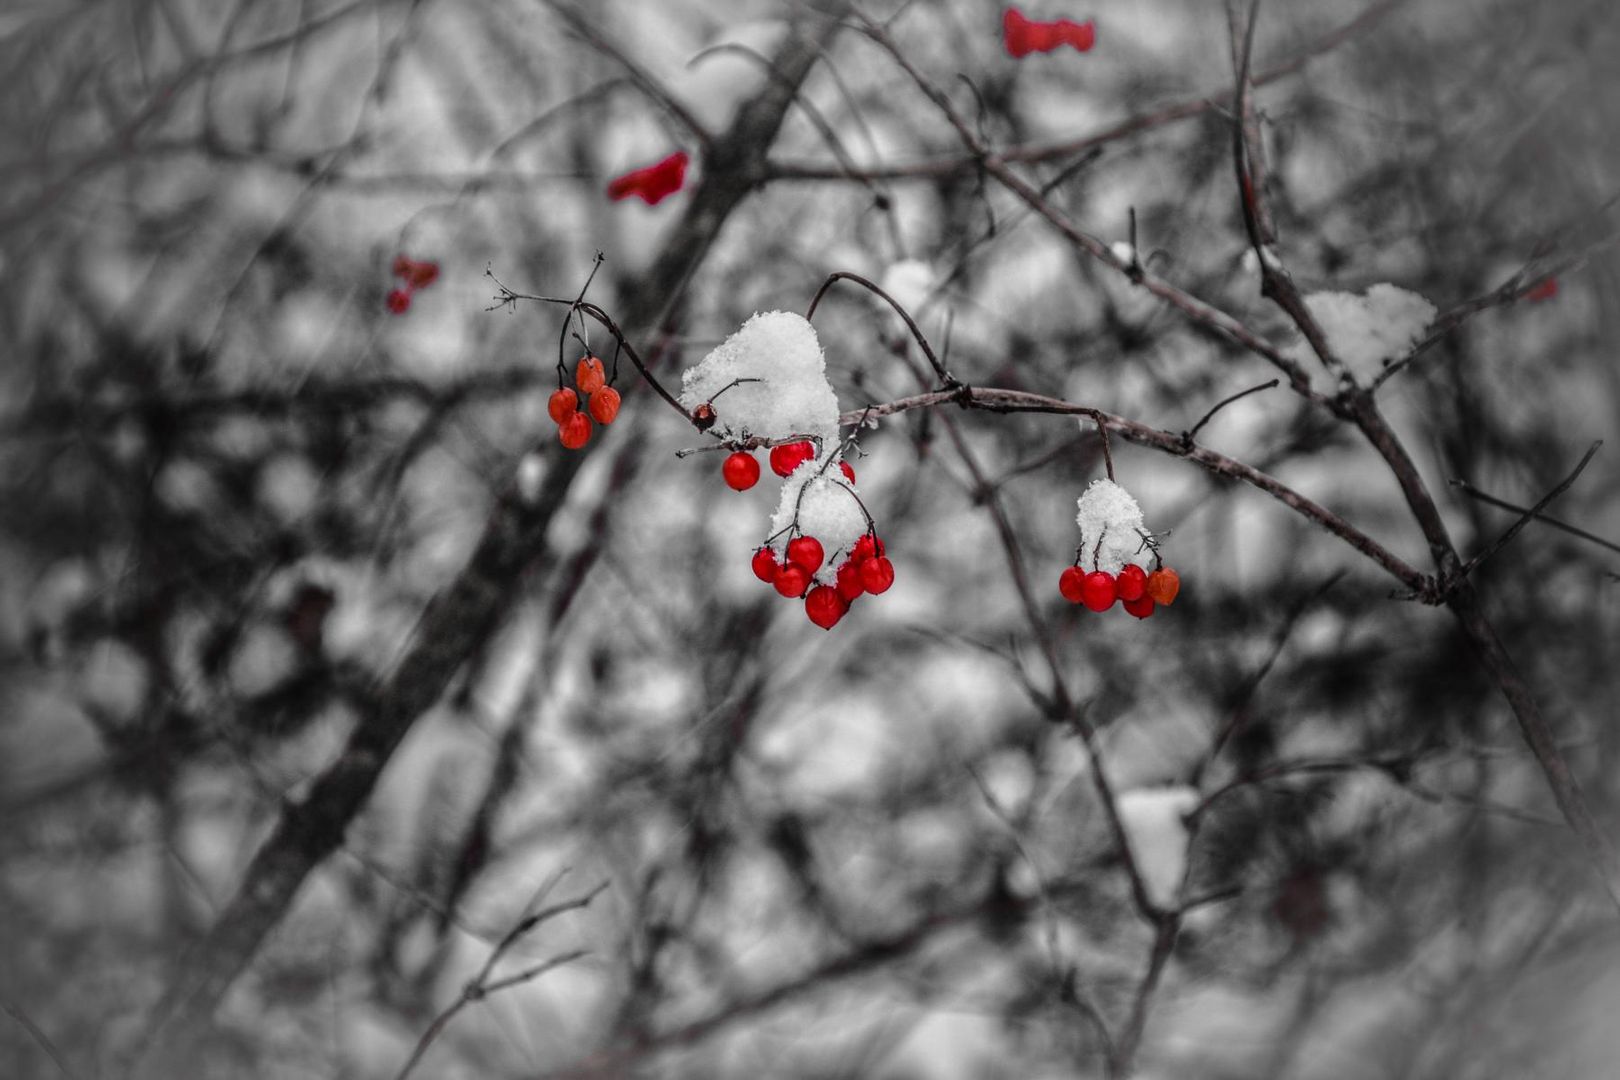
(806, 551)
(399, 301)
(848, 470)
(789, 456)
(421, 275)
(1131, 583)
(849, 579)
(562, 404)
(1163, 585)
(741, 471)
(765, 565)
(575, 431)
(1097, 591)
(1141, 607)
(791, 580)
(877, 574)
(653, 182)
(824, 606)
(1545, 289)
(588, 375)
(1070, 582)
(604, 405)
(867, 547)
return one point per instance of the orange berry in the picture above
(563, 404)
(604, 405)
(589, 376)
(1163, 585)
(575, 431)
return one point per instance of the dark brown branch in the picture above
(993, 399)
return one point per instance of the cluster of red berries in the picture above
(653, 182)
(741, 469)
(867, 570)
(573, 426)
(1024, 36)
(416, 274)
(1139, 591)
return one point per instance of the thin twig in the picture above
(1535, 511)
(911, 324)
(1473, 492)
(39, 1036)
(1193, 431)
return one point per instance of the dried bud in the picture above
(703, 416)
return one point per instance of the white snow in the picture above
(1152, 818)
(1109, 513)
(828, 511)
(1366, 331)
(792, 396)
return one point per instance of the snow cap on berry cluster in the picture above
(1366, 331)
(792, 396)
(1109, 513)
(828, 511)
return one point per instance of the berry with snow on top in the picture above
(789, 456)
(768, 380)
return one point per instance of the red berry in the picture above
(789, 456)
(741, 471)
(791, 580)
(849, 579)
(1132, 582)
(806, 551)
(1097, 591)
(421, 275)
(765, 567)
(404, 267)
(1545, 289)
(604, 405)
(848, 470)
(1070, 582)
(575, 431)
(1141, 607)
(877, 574)
(399, 301)
(824, 606)
(588, 375)
(563, 404)
(1163, 585)
(867, 547)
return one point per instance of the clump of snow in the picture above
(1365, 332)
(1110, 515)
(1122, 251)
(909, 282)
(825, 503)
(792, 395)
(1156, 829)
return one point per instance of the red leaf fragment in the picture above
(653, 182)
(1024, 36)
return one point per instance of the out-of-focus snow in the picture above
(909, 282)
(1366, 331)
(1154, 828)
(790, 394)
